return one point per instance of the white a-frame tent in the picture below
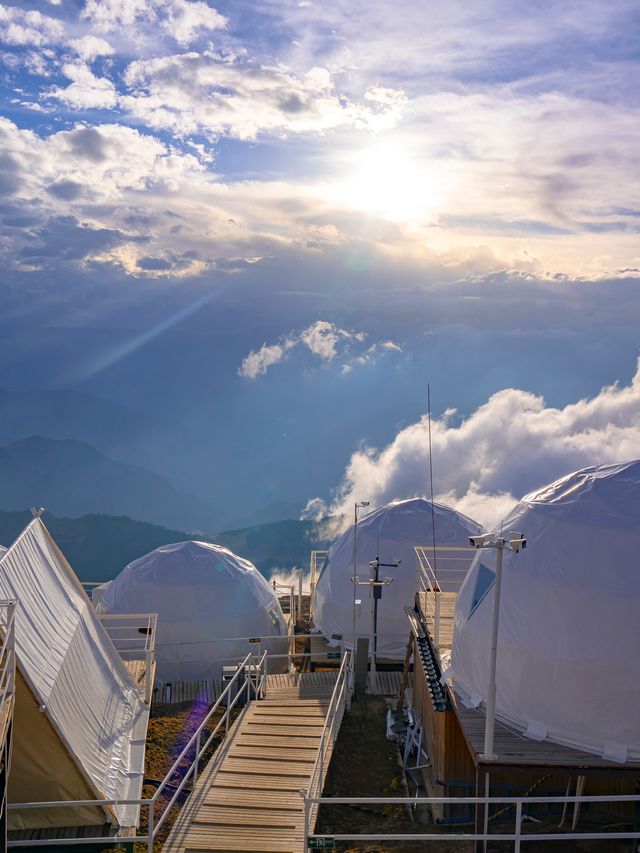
(80, 724)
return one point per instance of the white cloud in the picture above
(507, 447)
(86, 91)
(89, 48)
(186, 19)
(202, 93)
(183, 20)
(20, 27)
(257, 363)
(322, 339)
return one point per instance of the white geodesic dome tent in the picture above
(208, 601)
(568, 661)
(391, 532)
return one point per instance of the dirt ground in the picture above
(366, 764)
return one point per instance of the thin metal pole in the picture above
(300, 595)
(433, 512)
(373, 680)
(355, 572)
(306, 820)
(516, 848)
(150, 822)
(490, 722)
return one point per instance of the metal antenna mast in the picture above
(433, 512)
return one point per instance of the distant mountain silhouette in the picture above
(281, 544)
(275, 511)
(100, 546)
(72, 478)
(66, 414)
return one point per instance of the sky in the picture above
(267, 226)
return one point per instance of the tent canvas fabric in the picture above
(80, 725)
(207, 599)
(392, 532)
(568, 667)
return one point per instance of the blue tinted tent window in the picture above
(484, 581)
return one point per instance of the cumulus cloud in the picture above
(89, 48)
(205, 93)
(181, 19)
(507, 447)
(86, 91)
(257, 363)
(325, 340)
(186, 19)
(21, 27)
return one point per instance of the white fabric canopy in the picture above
(207, 599)
(391, 532)
(568, 664)
(77, 678)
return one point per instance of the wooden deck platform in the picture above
(513, 749)
(248, 796)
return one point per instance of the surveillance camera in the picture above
(481, 541)
(517, 541)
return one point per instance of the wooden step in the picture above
(215, 815)
(284, 742)
(280, 800)
(226, 778)
(261, 752)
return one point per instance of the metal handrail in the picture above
(517, 836)
(143, 640)
(254, 684)
(341, 690)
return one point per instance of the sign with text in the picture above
(321, 842)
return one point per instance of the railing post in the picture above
(516, 848)
(196, 760)
(147, 676)
(299, 595)
(437, 621)
(150, 822)
(304, 795)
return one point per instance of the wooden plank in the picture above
(226, 778)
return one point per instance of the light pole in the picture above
(358, 505)
(515, 542)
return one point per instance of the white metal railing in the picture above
(246, 684)
(7, 650)
(339, 703)
(517, 836)
(433, 578)
(134, 638)
(315, 567)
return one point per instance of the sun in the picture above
(387, 180)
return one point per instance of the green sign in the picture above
(255, 640)
(333, 655)
(321, 842)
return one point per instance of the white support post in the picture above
(516, 848)
(196, 759)
(373, 681)
(490, 721)
(299, 595)
(436, 629)
(150, 823)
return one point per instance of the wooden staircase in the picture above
(248, 798)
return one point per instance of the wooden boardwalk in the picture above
(248, 796)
